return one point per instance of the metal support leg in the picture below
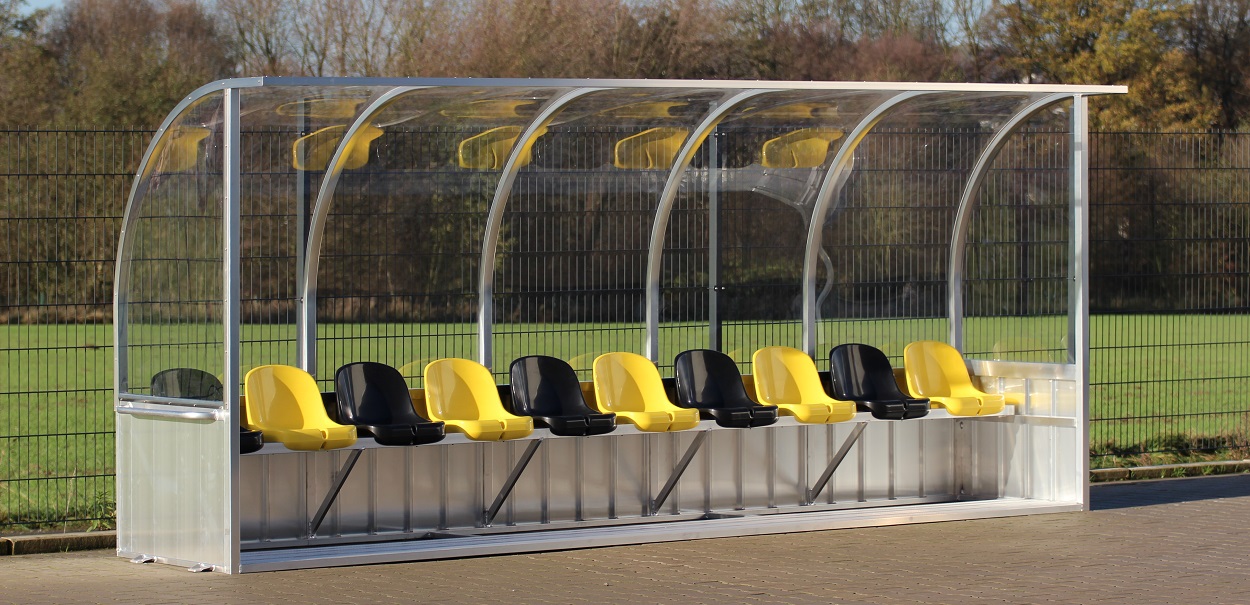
(677, 473)
(837, 460)
(339, 479)
(510, 482)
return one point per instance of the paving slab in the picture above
(1167, 541)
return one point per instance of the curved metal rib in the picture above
(494, 218)
(664, 209)
(963, 216)
(829, 191)
(306, 335)
(121, 277)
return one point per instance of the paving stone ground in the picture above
(1175, 541)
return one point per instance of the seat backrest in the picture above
(373, 393)
(649, 149)
(187, 383)
(935, 369)
(461, 389)
(862, 372)
(709, 379)
(784, 375)
(283, 397)
(546, 386)
(627, 382)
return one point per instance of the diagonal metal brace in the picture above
(835, 462)
(339, 479)
(510, 482)
(677, 473)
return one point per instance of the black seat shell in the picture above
(374, 397)
(862, 373)
(547, 389)
(710, 381)
(190, 383)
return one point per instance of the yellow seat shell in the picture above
(937, 370)
(629, 385)
(787, 378)
(463, 395)
(284, 403)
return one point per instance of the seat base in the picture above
(312, 439)
(493, 430)
(250, 441)
(403, 434)
(979, 405)
(679, 419)
(741, 418)
(578, 426)
(899, 409)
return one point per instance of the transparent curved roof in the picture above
(495, 218)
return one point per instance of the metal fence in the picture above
(1170, 256)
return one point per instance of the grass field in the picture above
(1159, 382)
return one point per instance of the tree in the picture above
(28, 88)
(1132, 42)
(128, 62)
(1217, 41)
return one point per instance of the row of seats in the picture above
(372, 399)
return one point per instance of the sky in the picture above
(37, 4)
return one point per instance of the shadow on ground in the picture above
(1110, 496)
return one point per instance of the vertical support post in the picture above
(232, 189)
(305, 346)
(1078, 293)
(713, 244)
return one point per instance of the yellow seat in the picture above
(630, 386)
(787, 378)
(313, 152)
(806, 148)
(181, 149)
(936, 370)
(339, 109)
(489, 150)
(649, 149)
(463, 395)
(492, 109)
(284, 404)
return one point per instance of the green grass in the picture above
(1159, 382)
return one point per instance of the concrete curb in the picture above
(1188, 469)
(47, 543)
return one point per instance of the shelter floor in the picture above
(1167, 541)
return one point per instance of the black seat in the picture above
(190, 383)
(710, 381)
(374, 397)
(862, 373)
(546, 389)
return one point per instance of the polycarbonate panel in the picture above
(760, 189)
(886, 244)
(288, 137)
(398, 276)
(571, 265)
(171, 265)
(1016, 276)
